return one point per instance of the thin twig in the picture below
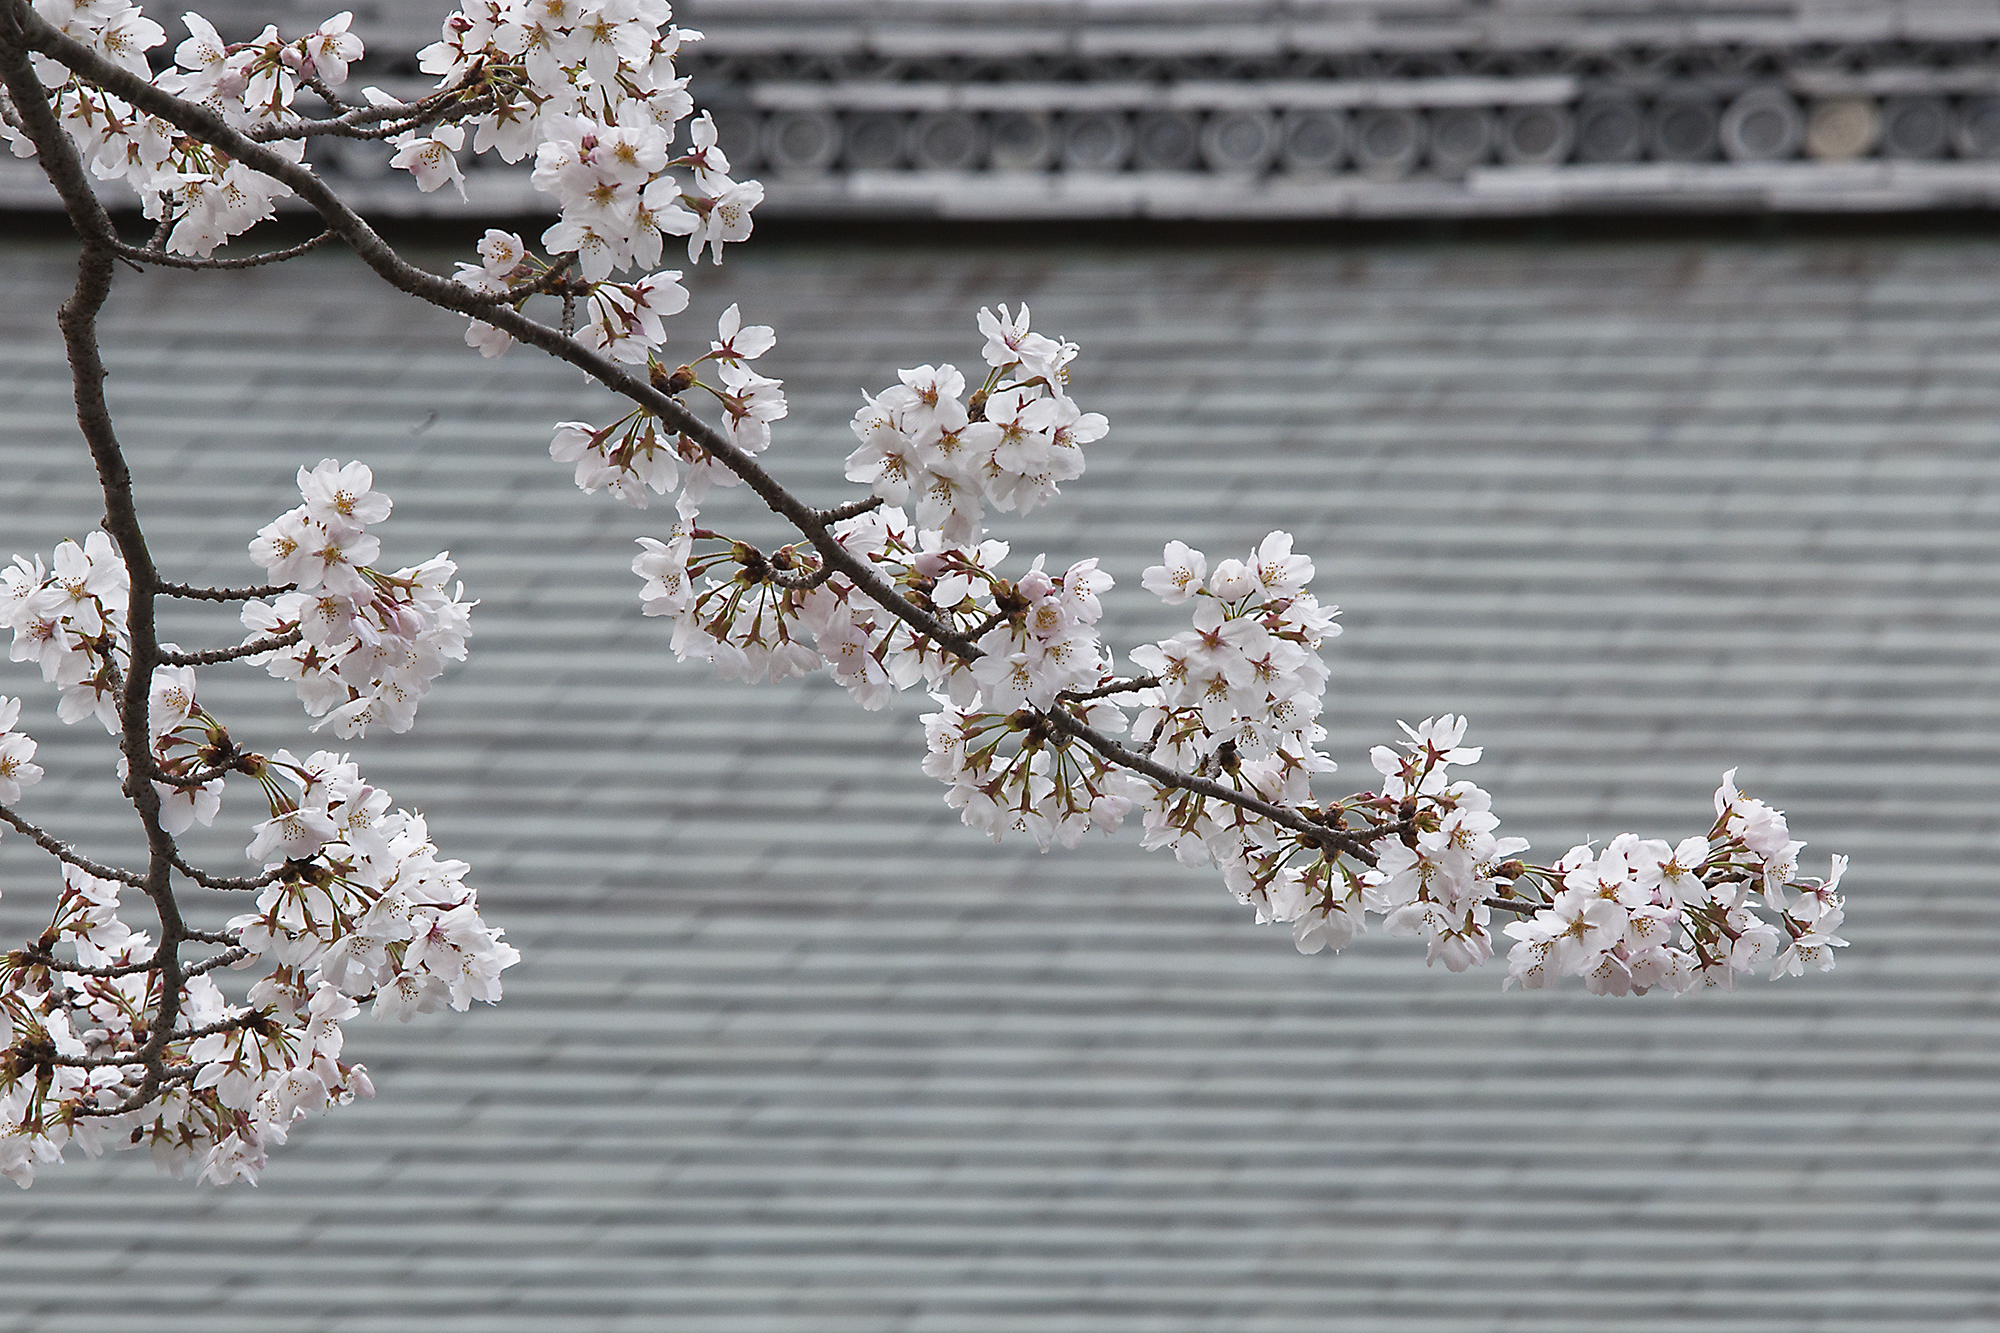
(224, 594)
(1321, 836)
(68, 855)
(802, 579)
(216, 655)
(226, 884)
(155, 255)
(223, 959)
(852, 509)
(353, 118)
(371, 127)
(1110, 688)
(324, 91)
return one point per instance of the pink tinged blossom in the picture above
(631, 153)
(1674, 874)
(1277, 570)
(1583, 924)
(181, 808)
(85, 582)
(126, 39)
(703, 154)
(721, 213)
(172, 697)
(501, 254)
(292, 835)
(1179, 576)
(92, 698)
(752, 402)
(736, 341)
(331, 559)
(1009, 342)
(272, 80)
(1232, 581)
(282, 546)
(19, 582)
(855, 667)
(888, 461)
(16, 752)
(1460, 949)
(431, 158)
(203, 55)
(331, 48)
(1607, 974)
(1441, 736)
(1813, 949)
(342, 497)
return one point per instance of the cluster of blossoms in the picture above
(206, 196)
(591, 91)
(75, 1027)
(358, 899)
(369, 644)
(1436, 878)
(357, 907)
(69, 619)
(1008, 445)
(1239, 694)
(923, 444)
(588, 90)
(354, 905)
(1641, 914)
(636, 457)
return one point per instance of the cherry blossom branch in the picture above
(214, 961)
(213, 656)
(43, 958)
(223, 594)
(199, 777)
(227, 884)
(1012, 736)
(67, 854)
(1284, 816)
(202, 124)
(852, 509)
(354, 122)
(1110, 688)
(320, 89)
(341, 127)
(153, 254)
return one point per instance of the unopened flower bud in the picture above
(672, 383)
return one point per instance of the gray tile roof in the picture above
(791, 1050)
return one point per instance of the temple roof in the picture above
(1247, 109)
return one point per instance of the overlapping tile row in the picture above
(793, 1050)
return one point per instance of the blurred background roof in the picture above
(791, 1051)
(1257, 110)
